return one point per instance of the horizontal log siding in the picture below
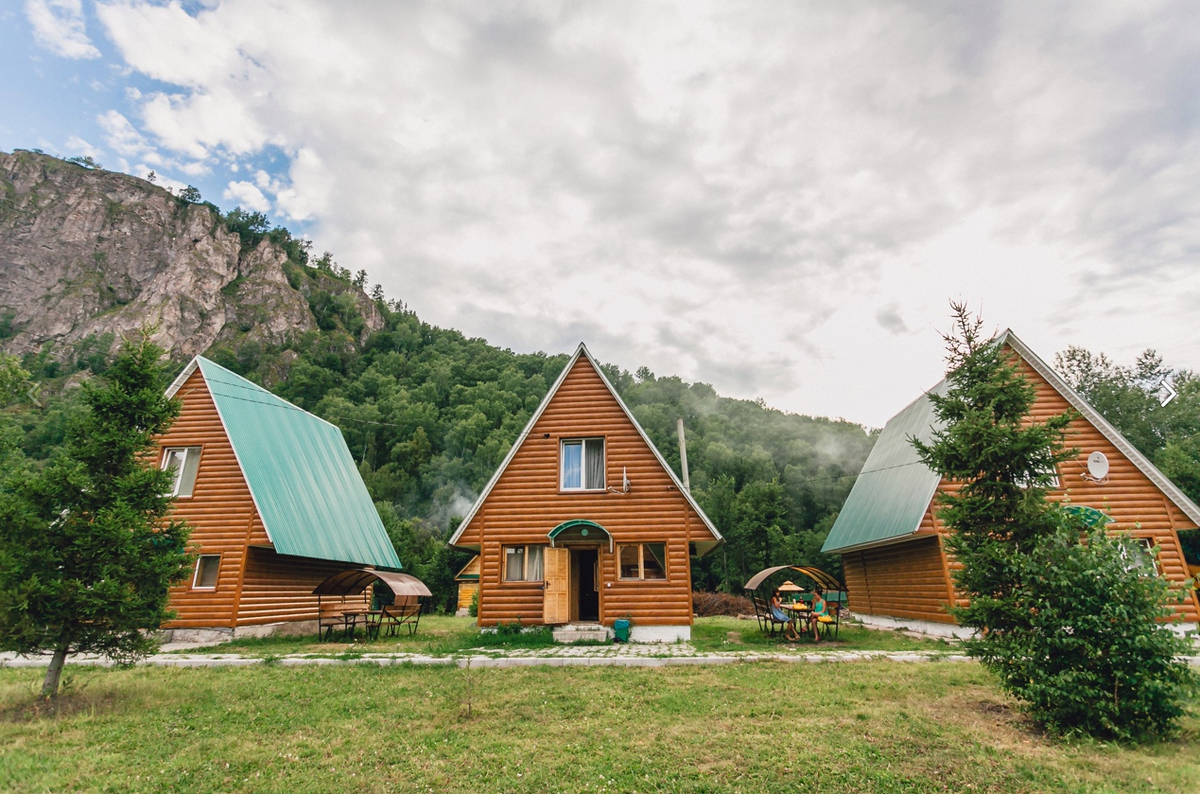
(525, 504)
(1135, 503)
(220, 510)
(279, 588)
(905, 580)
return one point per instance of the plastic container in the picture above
(621, 629)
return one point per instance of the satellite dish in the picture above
(625, 481)
(1097, 465)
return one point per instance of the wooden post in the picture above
(687, 486)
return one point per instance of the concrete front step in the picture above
(577, 632)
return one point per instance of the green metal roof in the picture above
(308, 492)
(894, 489)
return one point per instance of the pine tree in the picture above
(1004, 466)
(86, 554)
(1069, 620)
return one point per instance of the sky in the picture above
(779, 199)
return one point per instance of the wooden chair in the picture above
(767, 622)
(405, 612)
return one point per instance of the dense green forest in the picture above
(429, 414)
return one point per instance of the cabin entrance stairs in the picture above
(576, 632)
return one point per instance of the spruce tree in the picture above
(1069, 619)
(87, 555)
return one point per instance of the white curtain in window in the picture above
(572, 468)
(594, 454)
(533, 564)
(514, 564)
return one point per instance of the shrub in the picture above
(709, 604)
(1094, 658)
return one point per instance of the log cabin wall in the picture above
(279, 588)
(220, 510)
(1134, 502)
(903, 580)
(526, 503)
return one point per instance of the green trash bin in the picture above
(621, 629)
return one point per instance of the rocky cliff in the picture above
(86, 252)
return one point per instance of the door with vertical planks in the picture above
(556, 603)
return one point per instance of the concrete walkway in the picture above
(664, 655)
(557, 656)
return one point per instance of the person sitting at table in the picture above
(789, 621)
(819, 609)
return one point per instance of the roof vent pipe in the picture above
(687, 486)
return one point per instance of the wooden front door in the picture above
(556, 599)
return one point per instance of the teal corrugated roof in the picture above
(308, 491)
(894, 489)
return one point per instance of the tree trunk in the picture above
(54, 672)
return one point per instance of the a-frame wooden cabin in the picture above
(274, 499)
(890, 537)
(584, 521)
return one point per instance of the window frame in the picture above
(642, 552)
(584, 486)
(196, 573)
(1148, 563)
(524, 563)
(189, 451)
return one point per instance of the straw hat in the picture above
(790, 587)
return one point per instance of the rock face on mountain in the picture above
(85, 252)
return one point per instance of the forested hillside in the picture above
(428, 413)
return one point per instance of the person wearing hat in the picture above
(789, 632)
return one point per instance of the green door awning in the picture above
(580, 530)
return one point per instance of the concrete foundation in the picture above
(218, 634)
(929, 627)
(653, 634)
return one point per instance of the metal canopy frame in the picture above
(826, 580)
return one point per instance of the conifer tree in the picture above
(1070, 619)
(86, 554)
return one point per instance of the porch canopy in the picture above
(827, 581)
(579, 530)
(356, 580)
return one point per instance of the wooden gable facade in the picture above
(240, 578)
(584, 521)
(909, 575)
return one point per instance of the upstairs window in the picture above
(582, 464)
(183, 462)
(642, 561)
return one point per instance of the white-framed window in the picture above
(1052, 485)
(582, 464)
(184, 463)
(523, 563)
(1140, 557)
(642, 561)
(207, 568)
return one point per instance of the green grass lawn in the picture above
(747, 727)
(439, 636)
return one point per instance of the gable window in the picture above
(523, 563)
(642, 561)
(582, 464)
(1139, 556)
(183, 462)
(207, 567)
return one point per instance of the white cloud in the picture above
(77, 145)
(247, 196)
(58, 25)
(776, 198)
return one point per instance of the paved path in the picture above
(612, 656)
(664, 655)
